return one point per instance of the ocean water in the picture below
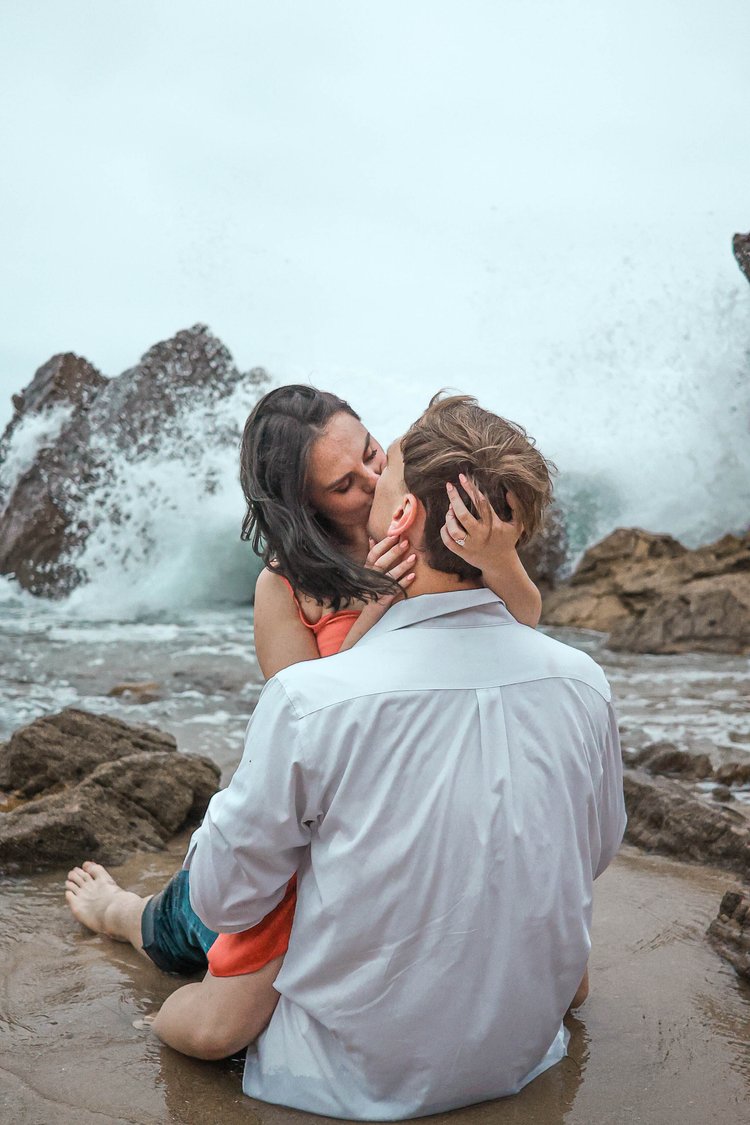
(205, 679)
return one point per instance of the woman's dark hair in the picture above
(292, 539)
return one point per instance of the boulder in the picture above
(652, 594)
(665, 815)
(729, 932)
(80, 786)
(70, 429)
(734, 773)
(666, 758)
(68, 746)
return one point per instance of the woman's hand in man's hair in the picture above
(481, 539)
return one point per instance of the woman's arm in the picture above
(489, 544)
(506, 576)
(281, 638)
(217, 1016)
(387, 556)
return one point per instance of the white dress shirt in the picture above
(447, 790)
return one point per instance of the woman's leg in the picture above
(582, 991)
(164, 927)
(99, 903)
(219, 1015)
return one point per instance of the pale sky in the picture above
(532, 199)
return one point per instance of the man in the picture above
(447, 791)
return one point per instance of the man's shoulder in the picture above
(424, 660)
(564, 661)
(312, 685)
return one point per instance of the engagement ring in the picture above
(460, 542)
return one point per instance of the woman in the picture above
(308, 470)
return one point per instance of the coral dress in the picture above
(233, 955)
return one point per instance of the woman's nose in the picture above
(371, 479)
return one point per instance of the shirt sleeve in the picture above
(612, 816)
(256, 830)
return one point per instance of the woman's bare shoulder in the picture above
(275, 591)
(281, 638)
(272, 590)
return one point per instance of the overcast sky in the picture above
(432, 190)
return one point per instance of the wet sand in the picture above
(663, 1039)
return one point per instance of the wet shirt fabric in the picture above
(447, 791)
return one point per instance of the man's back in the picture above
(451, 786)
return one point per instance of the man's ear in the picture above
(404, 516)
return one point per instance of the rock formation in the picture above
(674, 801)
(76, 785)
(652, 594)
(70, 424)
(665, 815)
(730, 930)
(545, 556)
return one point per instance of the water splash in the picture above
(170, 540)
(33, 433)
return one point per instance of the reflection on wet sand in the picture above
(662, 1038)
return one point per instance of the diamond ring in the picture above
(460, 542)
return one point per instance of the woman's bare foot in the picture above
(99, 903)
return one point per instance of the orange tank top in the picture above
(332, 629)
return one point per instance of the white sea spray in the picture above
(165, 524)
(33, 433)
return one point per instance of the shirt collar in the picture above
(426, 607)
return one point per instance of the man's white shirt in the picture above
(447, 791)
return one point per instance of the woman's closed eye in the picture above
(367, 459)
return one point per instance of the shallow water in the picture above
(663, 1037)
(203, 663)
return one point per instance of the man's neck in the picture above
(429, 581)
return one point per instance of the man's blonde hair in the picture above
(456, 435)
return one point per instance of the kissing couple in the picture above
(391, 901)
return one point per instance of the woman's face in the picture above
(345, 463)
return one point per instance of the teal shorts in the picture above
(172, 934)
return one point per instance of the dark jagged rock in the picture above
(79, 785)
(39, 530)
(730, 930)
(79, 421)
(64, 380)
(741, 248)
(651, 594)
(544, 557)
(666, 758)
(665, 816)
